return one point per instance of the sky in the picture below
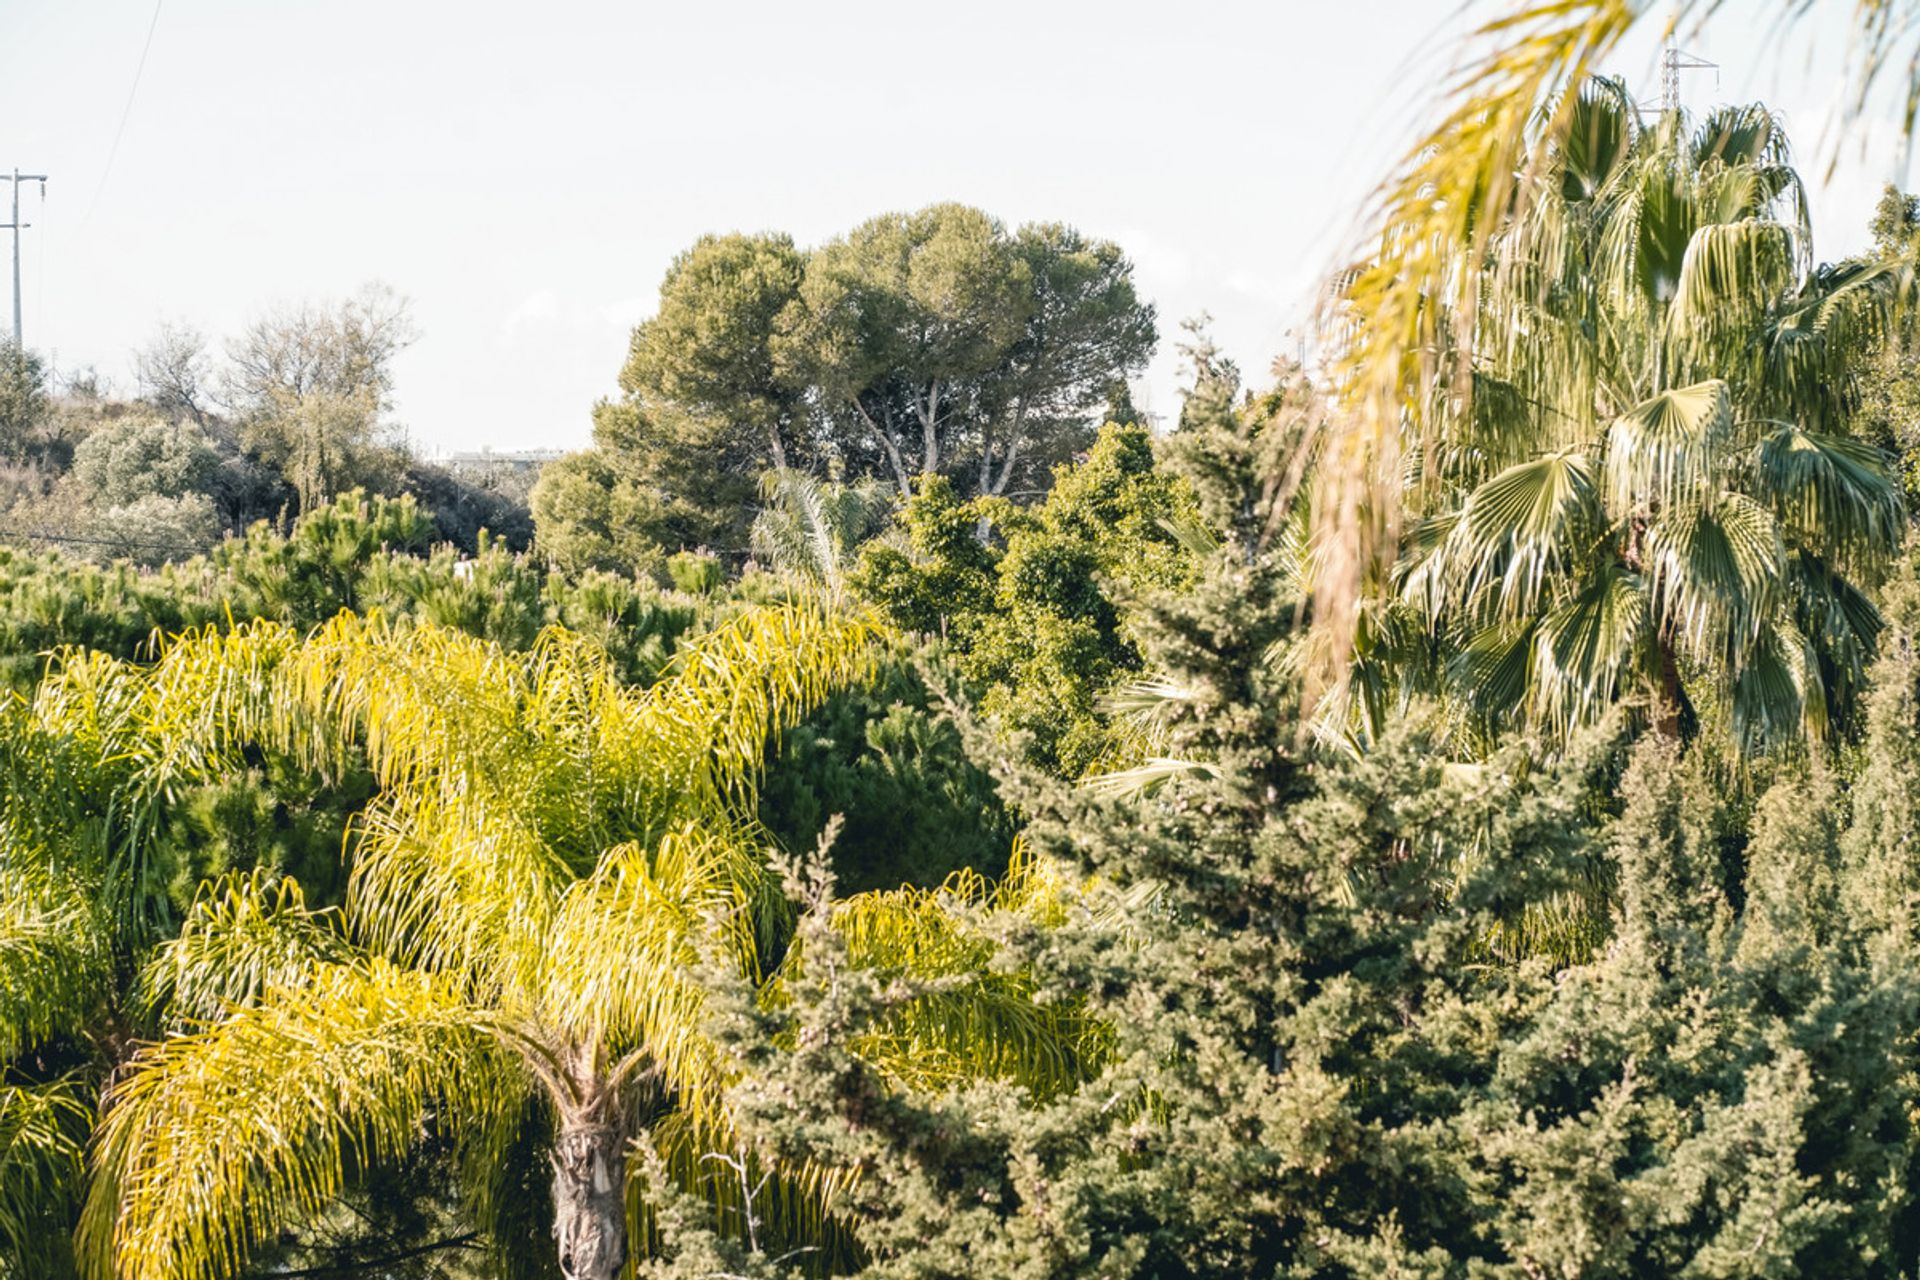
(524, 173)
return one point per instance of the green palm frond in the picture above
(1778, 694)
(1599, 126)
(216, 1140)
(1667, 448)
(1714, 572)
(1836, 495)
(1524, 527)
(794, 531)
(1590, 644)
(55, 958)
(811, 528)
(1141, 710)
(1836, 616)
(1496, 669)
(43, 1131)
(1733, 275)
(1741, 136)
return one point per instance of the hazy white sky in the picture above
(524, 172)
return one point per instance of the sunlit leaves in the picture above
(1665, 449)
(246, 935)
(553, 858)
(55, 962)
(215, 1140)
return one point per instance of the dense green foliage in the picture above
(930, 343)
(890, 828)
(1033, 614)
(1313, 1071)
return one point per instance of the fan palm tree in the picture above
(1635, 459)
(1508, 107)
(552, 859)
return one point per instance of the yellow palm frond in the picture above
(216, 1140)
(244, 936)
(757, 675)
(619, 959)
(966, 1017)
(461, 885)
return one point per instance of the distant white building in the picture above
(505, 460)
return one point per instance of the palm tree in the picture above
(1635, 459)
(812, 528)
(54, 964)
(1505, 111)
(552, 859)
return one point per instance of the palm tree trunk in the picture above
(589, 1201)
(1666, 711)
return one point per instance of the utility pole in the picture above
(17, 226)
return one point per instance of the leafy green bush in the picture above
(915, 809)
(695, 572)
(1037, 618)
(135, 457)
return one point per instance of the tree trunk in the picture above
(892, 448)
(589, 1201)
(1666, 712)
(929, 430)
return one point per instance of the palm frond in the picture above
(708, 721)
(1148, 776)
(243, 936)
(1521, 529)
(1778, 694)
(55, 958)
(1665, 450)
(1496, 669)
(1590, 644)
(1733, 275)
(965, 1018)
(216, 1140)
(619, 957)
(1714, 571)
(1836, 495)
(43, 1131)
(461, 888)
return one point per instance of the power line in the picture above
(76, 540)
(125, 112)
